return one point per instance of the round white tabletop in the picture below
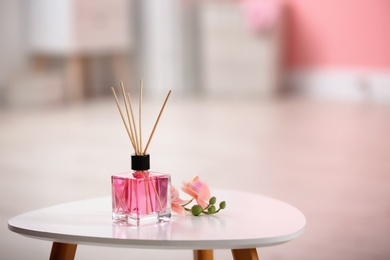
(249, 221)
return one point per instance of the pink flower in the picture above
(176, 202)
(198, 190)
(261, 14)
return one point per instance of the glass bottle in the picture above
(141, 197)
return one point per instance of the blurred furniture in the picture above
(79, 33)
(166, 43)
(241, 54)
(249, 221)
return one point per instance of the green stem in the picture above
(204, 211)
(187, 203)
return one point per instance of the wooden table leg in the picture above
(203, 255)
(62, 251)
(245, 254)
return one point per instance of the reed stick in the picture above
(158, 197)
(139, 116)
(121, 199)
(130, 125)
(158, 119)
(148, 197)
(128, 115)
(121, 113)
(134, 125)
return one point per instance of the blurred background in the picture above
(296, 93)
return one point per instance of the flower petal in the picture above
(178, 209)
(190, 191)
(202, 202)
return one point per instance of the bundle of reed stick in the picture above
(134, 132)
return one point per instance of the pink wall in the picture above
(338, 33)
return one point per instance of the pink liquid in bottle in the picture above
(141, 197)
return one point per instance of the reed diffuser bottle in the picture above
(140, 197)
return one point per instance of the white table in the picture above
(249, 221)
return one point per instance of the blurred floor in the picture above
(332, 161)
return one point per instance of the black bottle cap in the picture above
(140, 162)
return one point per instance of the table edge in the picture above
(157, 244)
